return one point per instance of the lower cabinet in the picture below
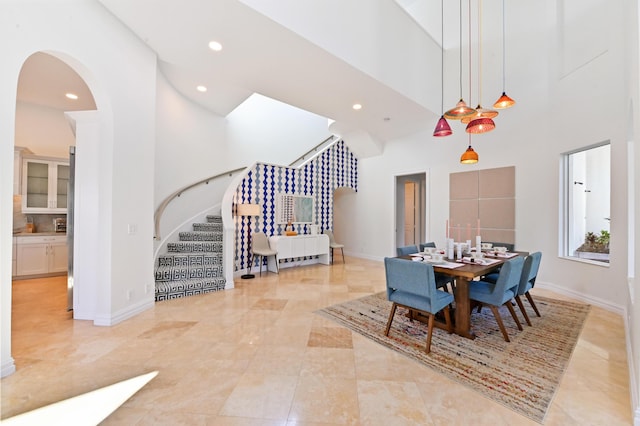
(41, 255)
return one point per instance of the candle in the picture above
(478, 227)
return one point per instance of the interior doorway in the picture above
(411, 208)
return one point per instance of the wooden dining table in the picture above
(462, 276)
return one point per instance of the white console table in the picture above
(296, 248)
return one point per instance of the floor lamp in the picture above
(248, 210)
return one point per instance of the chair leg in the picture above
(447, 319)
(533, 305)
(430, 332)
(513, 314)
(496, 314)
(261, 262)
(342, 251)
(390, 320)
(524, 312)
(332, 256)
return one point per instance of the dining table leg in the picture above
(463, 309)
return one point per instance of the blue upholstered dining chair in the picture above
(501, 293)
(413, 286)
(509, 246)
(441, 279)
(429, 244)
(527, 281)
(407, 250)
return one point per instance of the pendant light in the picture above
(442, 127)
(504, 101)
(469, 156)
(461, 109)
(482, 121)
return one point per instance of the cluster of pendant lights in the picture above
(478, 120)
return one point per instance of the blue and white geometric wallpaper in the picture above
(333, 168)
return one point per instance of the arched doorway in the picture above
(48, 89)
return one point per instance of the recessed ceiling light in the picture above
(215, 46)
(357, 106)
(71, 96)
(201, 89)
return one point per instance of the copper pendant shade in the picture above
(480, 113)
(459, 111)
(504, 102)
(469, 156)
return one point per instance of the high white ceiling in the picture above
(258, 56)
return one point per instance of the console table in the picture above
(297, 248)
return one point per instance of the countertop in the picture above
(38, 234)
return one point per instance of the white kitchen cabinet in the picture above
(41, 255)
(44, 185)
(18, 153)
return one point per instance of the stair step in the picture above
(177, 273)
(200, 236)
(190, 287)
(194, 247)
(208, 227)
(214, 218)
(186, 259)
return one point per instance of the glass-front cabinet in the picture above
(44, 185)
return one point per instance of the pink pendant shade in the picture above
(469, 156)
(504, 102)
(442, 128)
(480, 125)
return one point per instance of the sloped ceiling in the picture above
(258, 56)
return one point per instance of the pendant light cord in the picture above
(469, 12)
(442, 56)
(460, 49)
(479, 52)
(504, 48)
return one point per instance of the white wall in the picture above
(120, 71)
(194, 144)
(51, 137)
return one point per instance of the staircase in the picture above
(194, 264)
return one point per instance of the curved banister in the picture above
(165, 203)
(315, 149)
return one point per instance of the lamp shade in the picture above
(504, 102)
(460, 110)
(480, 125)
(469, 156)
(442, 128)
(248, 210)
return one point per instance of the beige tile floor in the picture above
(258, 355)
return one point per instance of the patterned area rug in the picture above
(522, 375)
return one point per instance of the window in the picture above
(586, 206)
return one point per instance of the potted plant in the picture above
(595, 246)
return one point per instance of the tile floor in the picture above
(258, 355)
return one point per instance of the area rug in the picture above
(522, 375)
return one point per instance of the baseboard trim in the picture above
(8, 368)
(124, 314)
